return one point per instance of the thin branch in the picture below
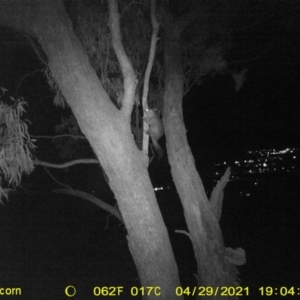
(67, 164)
(266, 50)
(155, 28)
(56, 180)
(58, 136)
(24, 77)
(93, 199)
(35, 48)
(189, 86)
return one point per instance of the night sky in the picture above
(265, 112)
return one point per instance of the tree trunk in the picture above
(108, 132)
(203, 226)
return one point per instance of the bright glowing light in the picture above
(156, 189)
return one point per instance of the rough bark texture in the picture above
(108, 132)
(204, 230)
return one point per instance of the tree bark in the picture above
(108, 131)
(203, 226)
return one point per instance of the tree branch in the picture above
(114, 211)
(67, 164)
(59, 136)
(155, 27)
(217, 195)
(130, 81)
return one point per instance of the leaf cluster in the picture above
(15, 144)
(91, 23)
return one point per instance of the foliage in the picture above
(206, 41)
(92, 27)
(15, 144)
(203, 44)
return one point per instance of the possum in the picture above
(156, 129)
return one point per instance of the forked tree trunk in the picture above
(203, 226)
(108, 132)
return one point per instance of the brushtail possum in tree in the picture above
(156, 129)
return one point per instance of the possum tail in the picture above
(158, 148)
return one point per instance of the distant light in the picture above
(156, 189)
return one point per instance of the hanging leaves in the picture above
(15, 145)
